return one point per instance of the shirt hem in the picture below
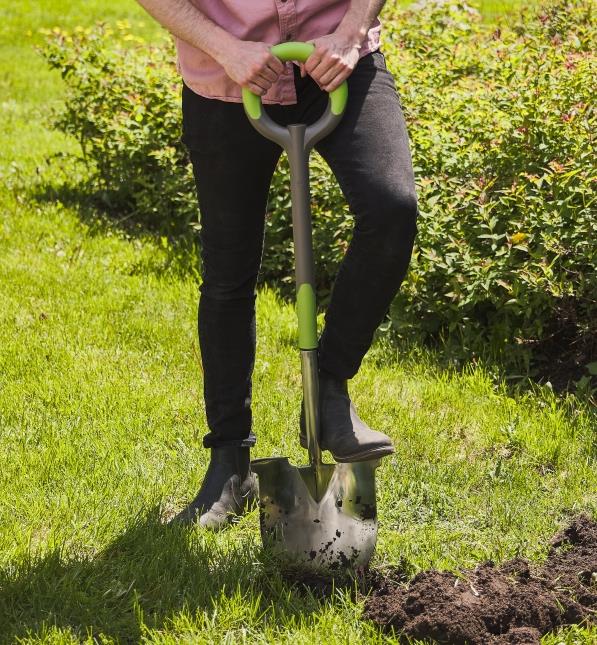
(266, 101)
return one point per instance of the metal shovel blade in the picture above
(337, 531)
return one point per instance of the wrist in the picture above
(221, 46)
(352, 35)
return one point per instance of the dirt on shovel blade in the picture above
(490, 605)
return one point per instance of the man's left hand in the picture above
(332, 61)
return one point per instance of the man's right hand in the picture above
(251, 65)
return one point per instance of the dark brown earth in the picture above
(490, 605)
(562, 356)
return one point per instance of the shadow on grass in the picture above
(144, 578)
(177, 240)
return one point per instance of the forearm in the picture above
(358, 19)
(185, 21)
(248, 64)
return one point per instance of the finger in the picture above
(276, 74)
(336, 81)
(325, 66)
(256, 88)
(303, 71)
(258, 79)
(263, 83)
(275, 64)
(330, 75)
(313, 60)
(268, 74)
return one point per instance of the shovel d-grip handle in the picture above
(270, 129)
(298, 139)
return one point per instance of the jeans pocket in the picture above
(381, 64)
(381, 57)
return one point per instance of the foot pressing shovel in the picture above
(320, 515)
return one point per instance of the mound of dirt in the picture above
(512, 604)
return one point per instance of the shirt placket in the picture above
(288, 28)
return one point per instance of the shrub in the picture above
(501, 122)
(502, 126)
(123, 107)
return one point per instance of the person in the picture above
(222, 47)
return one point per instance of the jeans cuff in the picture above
(329, 363)
(210, 441)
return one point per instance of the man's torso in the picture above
(269, 21)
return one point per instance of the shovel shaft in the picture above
(298, 139)
(311, 406)
(302, 236)
(298, 157)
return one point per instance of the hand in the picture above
(251, 65)
(332, 61)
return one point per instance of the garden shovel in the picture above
(323, 515)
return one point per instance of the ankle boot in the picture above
(228, 489)
(343, 433)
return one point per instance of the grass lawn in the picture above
(101, 419)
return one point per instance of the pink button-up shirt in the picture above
(268, 21)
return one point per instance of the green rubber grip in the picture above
(306, 310)
(293, 51)
(299, 52)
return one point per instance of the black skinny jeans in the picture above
(233, 166)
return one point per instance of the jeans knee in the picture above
(221, 290)
(393, 220)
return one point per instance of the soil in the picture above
(564, 353)
(511, 604)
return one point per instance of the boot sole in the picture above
(373, 453)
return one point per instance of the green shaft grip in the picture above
(306, 310)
